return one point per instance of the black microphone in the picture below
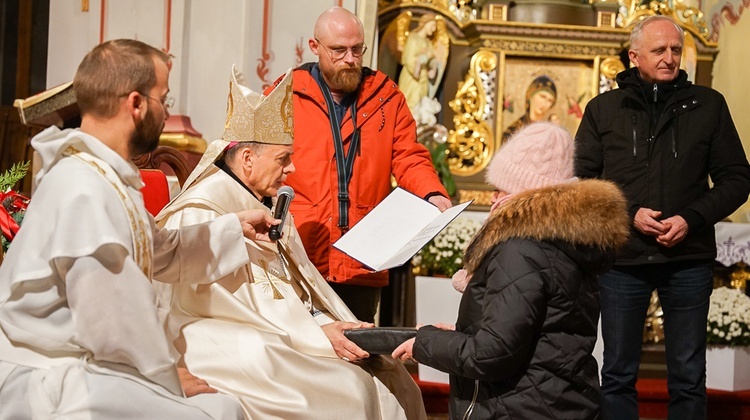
(283, 199)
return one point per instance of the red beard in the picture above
(345, 80)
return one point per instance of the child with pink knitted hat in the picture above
(539, 155)
(527, 324)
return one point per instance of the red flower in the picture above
(574, 108)
(12, 203)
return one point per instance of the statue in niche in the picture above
(424, 57)
(417, 59)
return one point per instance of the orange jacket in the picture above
(388, 146)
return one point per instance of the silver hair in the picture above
(637, 33)
(257, 148)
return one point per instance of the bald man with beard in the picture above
(352, 130)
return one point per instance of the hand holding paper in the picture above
(395, 230)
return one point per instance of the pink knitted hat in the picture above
(537, 156)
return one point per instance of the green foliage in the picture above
(13, 175)
(439, 154)
(434, 138)
(11, 203)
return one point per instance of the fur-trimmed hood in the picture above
(589, 214)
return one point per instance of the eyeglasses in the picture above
(167, 103)
(339, 53)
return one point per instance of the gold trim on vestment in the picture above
(142, 245)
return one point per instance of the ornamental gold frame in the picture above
(484, 41)
(472, 97)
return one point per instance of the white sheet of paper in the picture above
(395, 230)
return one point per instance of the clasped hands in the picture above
(668, 232)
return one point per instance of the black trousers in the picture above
(362, 300)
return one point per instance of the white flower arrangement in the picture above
(728, 318)
(443, 255)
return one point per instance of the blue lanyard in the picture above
(344, 161)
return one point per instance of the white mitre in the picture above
(251, 117)
(257, 118)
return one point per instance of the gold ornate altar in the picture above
(503, 52)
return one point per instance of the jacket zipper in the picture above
(632, 119)
(652, 137)
(467, 414)
(674, 125)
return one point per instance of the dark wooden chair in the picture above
(165, 155)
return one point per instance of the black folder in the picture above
(379, 340)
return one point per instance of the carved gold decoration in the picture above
(463, 10)
(608, 70)
(471, 144)
(480, 197)
(739, 277)
(402, 30)
(688, 17)
(547, 47)
(441, 4)
(182, 141)
(653, 330)
(606, 19)
(498, 12)
(437, 3)
(610, 67)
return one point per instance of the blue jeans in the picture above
(684, 290)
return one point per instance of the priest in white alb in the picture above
(80, 335)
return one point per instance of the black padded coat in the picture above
(527, 322)
(659, 143)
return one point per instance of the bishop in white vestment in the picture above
(256, 333)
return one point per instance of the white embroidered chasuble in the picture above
(251, 334)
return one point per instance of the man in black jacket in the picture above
(659, 137)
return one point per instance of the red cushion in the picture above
(653, 399)
(435, 395)
(155, 191)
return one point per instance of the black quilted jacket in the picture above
(527, 321)
(660, 143)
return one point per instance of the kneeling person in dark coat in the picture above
(527, 322)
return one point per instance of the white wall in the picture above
(730, 80)
(205, 36)
(72, 33)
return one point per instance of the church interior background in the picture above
(480, 64)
